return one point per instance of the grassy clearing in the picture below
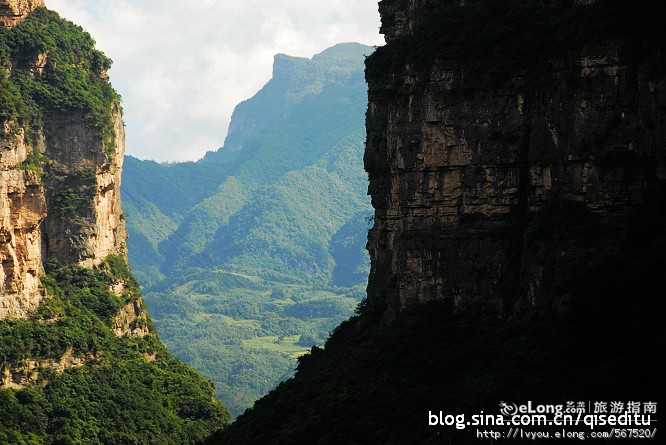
(284, 345)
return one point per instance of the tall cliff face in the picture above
(85, 222)
(22, 210)
(66, 209)
(465, 169)
(76, 341)
(516, 153)
(60, 189)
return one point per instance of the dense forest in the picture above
(127, 389)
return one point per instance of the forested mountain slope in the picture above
(254, 253)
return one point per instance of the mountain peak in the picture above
(341, 59)
(286, 66)
(295, 79)
(344, 53)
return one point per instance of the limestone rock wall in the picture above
(85, 222)
(501, 193)
(22, 210)
(59, 192)
(69, 210)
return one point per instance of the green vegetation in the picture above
(244, 332)
(73, 78)
(254, 254)
(119, 396)
(285, 345)
(35, 162)
(72, 196)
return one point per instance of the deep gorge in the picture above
(516, 160)
(516, 156)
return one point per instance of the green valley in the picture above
(252, 255)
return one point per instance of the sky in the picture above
(182, 66)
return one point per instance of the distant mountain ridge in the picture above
(283, 204)
(311, 110)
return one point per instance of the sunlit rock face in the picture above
(471, 180)
(22, 210)
(70, 212)
(12, 12)
(22, 203)
(59, 189)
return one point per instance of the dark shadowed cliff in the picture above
(516, 153)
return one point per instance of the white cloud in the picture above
(182, 66)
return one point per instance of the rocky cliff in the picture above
(22, 202)
(517, 169)
(470, 154)
(87, 227)
(22, 209)
(60, 189)
(75, 339)
(59, 199)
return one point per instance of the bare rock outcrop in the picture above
(30, 371)
(13, 12)
(132, 321)
(22, 210)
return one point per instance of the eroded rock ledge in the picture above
(13, 12)
(31, 371)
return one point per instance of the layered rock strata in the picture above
(465, 173)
